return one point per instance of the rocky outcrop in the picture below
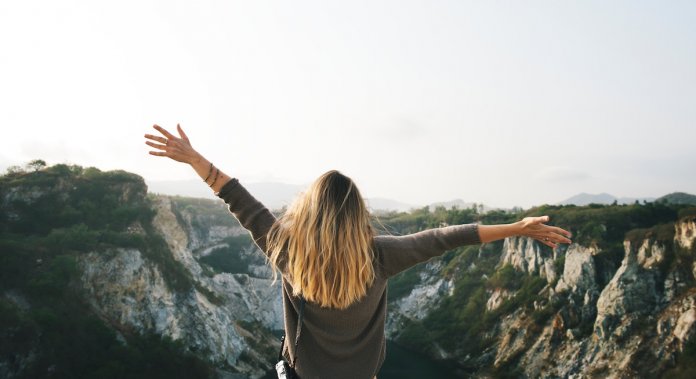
(636, 331)
(497, 297)
(205, 222)
(630, 320)
(128, 291)
(528, 256)
(685, 232)
(177, 238)
(633, 290)
(421, 300)
(579, 273)
(250, 296)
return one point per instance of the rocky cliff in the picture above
(142, 275)
(580, 322)
(231, 328)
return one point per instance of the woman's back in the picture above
(338, 343)
(347, 342)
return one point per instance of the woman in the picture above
(328, 254)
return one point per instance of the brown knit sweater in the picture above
(347, 343)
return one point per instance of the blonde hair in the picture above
(323, 243)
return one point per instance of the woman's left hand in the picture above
(536, 228)
(176, 148)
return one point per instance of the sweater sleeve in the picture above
(253, 215)
(398, 253)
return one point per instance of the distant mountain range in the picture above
(384, 204)
(277, 195)
(605, 198)
(602, 198)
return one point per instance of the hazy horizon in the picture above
(277, 194)
(505, 104)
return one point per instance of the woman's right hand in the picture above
(535, 227)
(176, 148)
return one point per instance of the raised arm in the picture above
(397, 253)
(253, 215)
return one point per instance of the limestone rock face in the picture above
(632, 290)
(685, 232)
(528, 256)
(604, 320)
(497, 297)
(421, 300)
(579, 273)
(637, 330)
(128, 289)
(650, 253)
(177, 239)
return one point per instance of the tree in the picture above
(36, 165)
(14, 170)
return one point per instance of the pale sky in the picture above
(503, 103)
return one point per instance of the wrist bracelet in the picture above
(217, 173)
(210, 170)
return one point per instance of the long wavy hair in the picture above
(323, 243)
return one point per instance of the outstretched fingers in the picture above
(561, 231)
(163, 131)
(156, 138)
(156, 146)
(550, 244)
(547, 240)
(169, 152)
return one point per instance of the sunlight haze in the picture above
(502, 103)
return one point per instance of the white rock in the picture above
(579, 274)
(498, 296)
(631, 290)
(685, 323)
(685, 232)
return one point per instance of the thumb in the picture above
(539, 219)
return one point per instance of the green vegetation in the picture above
(687, 213)
(662, 232)
(201, 214)
(678, 198)
(229, 258)
(423, 218)
(49, 217)
(403, 284)
(70, 343)
(606, 225)
(686, 363)
(506, 277)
